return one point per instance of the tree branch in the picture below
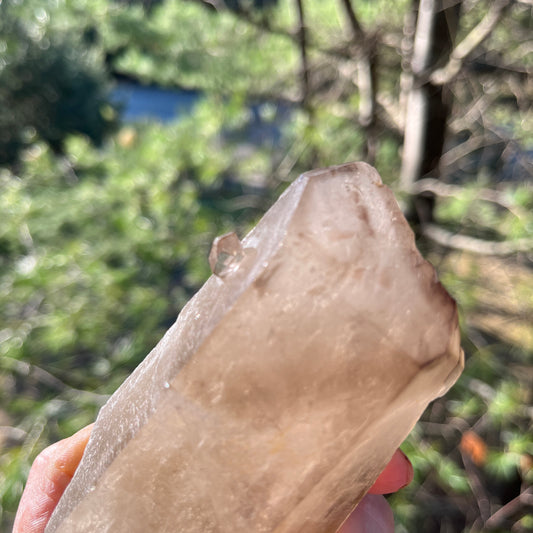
(510, 508)
(248, 17)
(406, 53)
(475, 113)
(478, 489)
(365, 62)
(357, 29)
(463, 149)
(477, 35)
(428, 106)
(341, 51)
(390, 115)
(302, 43)
(367, 89)
(442, 189)
(42, 376)
(338, 52)
(11, 436)
(507, 67)
(217, 5)
(471, 244)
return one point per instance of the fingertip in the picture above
(397, 474)
(49, 476)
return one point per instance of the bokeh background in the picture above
(134, 132)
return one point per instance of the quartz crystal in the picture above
(286, 383)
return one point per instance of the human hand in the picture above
(373, 514)
(54, 467)
(49, 476)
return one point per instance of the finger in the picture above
(372, 515)
(397, 474)
(49, 476)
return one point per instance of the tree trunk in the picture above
(428, 105)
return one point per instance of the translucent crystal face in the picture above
(226, 254)
(287, 382)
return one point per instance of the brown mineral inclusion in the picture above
(287, 382)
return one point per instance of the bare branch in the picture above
(357, 29)
(217, 5)
(245, 15)
(282, 172)
(423, 37)
(523, 98)
(442, 189)
(264, 24)
(471, 244)
(365, 47)
(42, 376)
(11, 436)
(509, 67)
(497, 520)
(427, 108)
(477, 486)
(465, 148)
(406, 52)
(302, 42)
(476, 112)
(482, 389)
(465, 48)
(390, 114)
(341, 51)
(367, 88)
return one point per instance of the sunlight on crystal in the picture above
(226, 254)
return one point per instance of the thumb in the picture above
(49, 476)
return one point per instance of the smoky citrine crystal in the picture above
(286, 383)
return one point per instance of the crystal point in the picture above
(226, 254)
(278, 396)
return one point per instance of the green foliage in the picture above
(107, 251)
(50, 84)
(97, 259)
(238, 58)
(501, 216)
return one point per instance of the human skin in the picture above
(54, 467)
